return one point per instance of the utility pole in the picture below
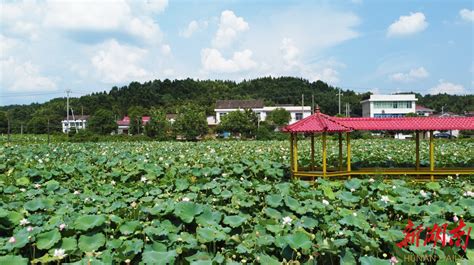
(302, 105)
(339, 100)
(21, 129)
(312, 103)
(48, 133)
(67, 111)
(8, 120)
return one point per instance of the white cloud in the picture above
(21, 18)
(23, 76)
(6, 44)
(413, 75)
(117, 63)
(229, 27)
(328, 75)
(193, 27)
(149, 6)
(166, 49)
(408, 25)
(447, 87)
(74, 15)
(146, 28)
(114, 16)
(213, 61)
(467, 14)
(289, 52)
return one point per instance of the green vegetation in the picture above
(158, 127)
(171, 95)
(241, 123)
(278, 117)
(191, 122)
(102, 122)
(216, 202)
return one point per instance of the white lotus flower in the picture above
(325, 202)
(371, 180)
(37, 186)
(133, 204)
(352, 190)
(185, 199)
(287, 220)
(62, 226)
(23, 190)
(143, 179)
(354, 213)
(468, 194)
(24, 222)
(385, 199)
(60, 253)
(423, 193)
(11, 240)
(76, 192)
(113, 182)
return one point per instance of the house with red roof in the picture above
(423, 111)
(123, 125)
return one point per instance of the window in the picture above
(392, 105)
(298, 116)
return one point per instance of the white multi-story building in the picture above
(388, 106)
(76, 122)
(223, 107)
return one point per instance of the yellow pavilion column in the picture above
(324, 153)
(312, 151)
(340, 151)
(348, 139)
(291, 155)
(295, 153)
(432, 160)
(417, 149)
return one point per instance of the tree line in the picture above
(169, 96)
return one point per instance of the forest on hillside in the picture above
(169, 95)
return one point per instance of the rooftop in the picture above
(401, 97)
(239, 104)
(319, 122)
(77, 117)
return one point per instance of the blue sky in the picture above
(47, 47)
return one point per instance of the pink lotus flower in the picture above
(62, 226)
(393, 260)
(29, 228)
(12, 240)
(455, 218)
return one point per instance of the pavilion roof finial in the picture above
(317, 108)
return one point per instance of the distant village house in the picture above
(223, 107)
(74, 123)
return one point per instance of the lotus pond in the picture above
(221, 203)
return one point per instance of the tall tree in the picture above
(239, 122)
(102, 122)
(158, 127)
(191, 122)
(278, 117)
(3, 122)
(136, 124)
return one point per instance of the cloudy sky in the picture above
(47, 47)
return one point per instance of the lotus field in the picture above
(224, 202)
